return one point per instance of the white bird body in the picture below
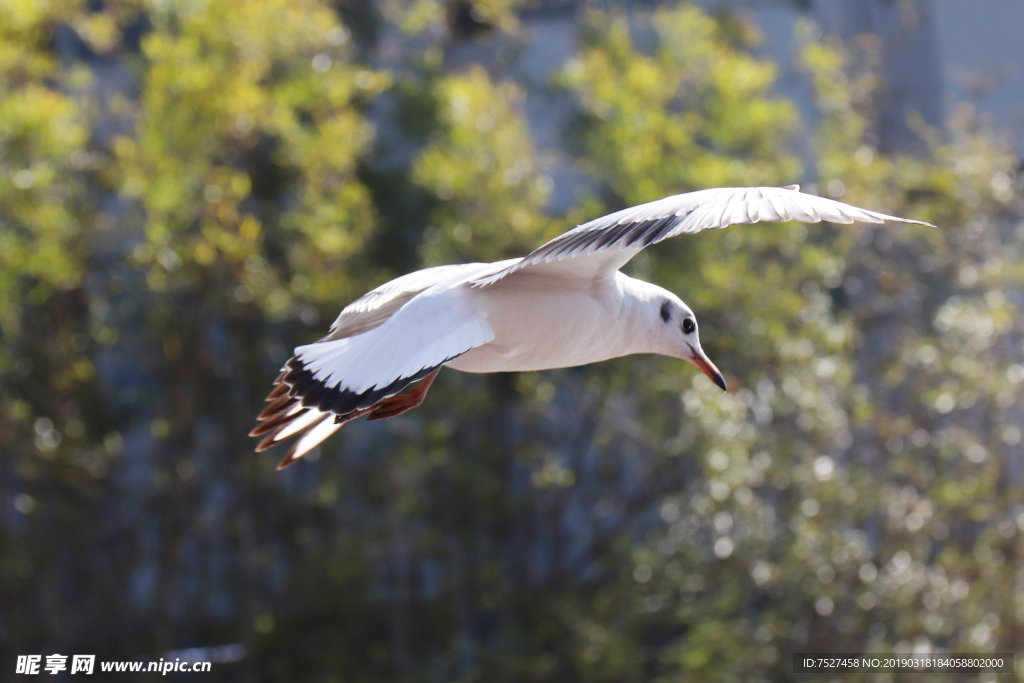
(565, 304)
(568, 326)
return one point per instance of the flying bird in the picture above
(565, 304)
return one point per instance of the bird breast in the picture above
(539, 326)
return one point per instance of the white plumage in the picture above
(563, 305)
(434, 326)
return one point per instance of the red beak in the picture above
(701, 361)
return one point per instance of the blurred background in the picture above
(191, 188)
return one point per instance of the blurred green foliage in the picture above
(483, 168)
(697, 113)
(191, 189)
(249, 121)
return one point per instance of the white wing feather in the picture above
(315, 436)
(431, 329)
(374, 308)
(602, 246)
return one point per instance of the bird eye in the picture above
(689, 326)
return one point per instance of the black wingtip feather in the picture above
(313, 392)
(658, 230)
(276, 407)
(271, 424)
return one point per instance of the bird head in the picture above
(679, 330)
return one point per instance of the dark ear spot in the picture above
(666, 310)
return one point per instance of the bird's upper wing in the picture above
(602, 246)
(345, 375)
(374, 308)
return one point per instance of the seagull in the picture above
(566, 304)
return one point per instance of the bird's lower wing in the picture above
(346, 377)
(602, 246)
